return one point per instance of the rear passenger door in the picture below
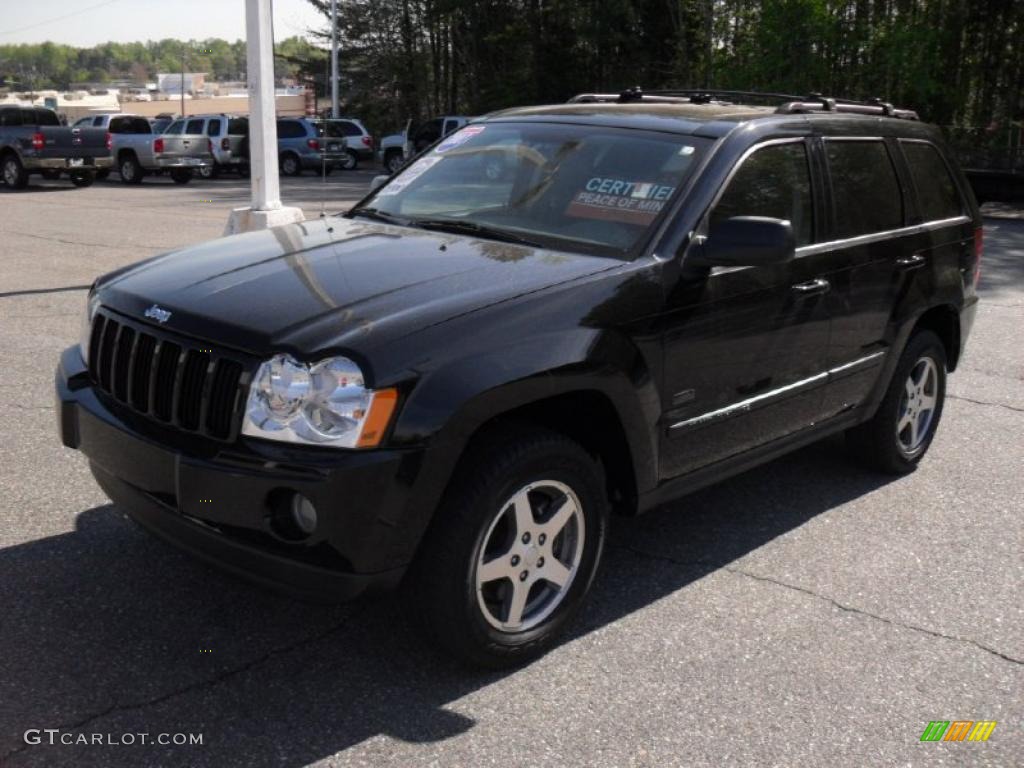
(745, 346)
(871, 255)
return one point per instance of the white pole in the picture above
(266, 187)
(266, 210)
(334, 58)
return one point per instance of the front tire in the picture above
(898, 436)
(348, 161)
(513, 549)
(393, 162)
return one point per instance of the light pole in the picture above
(334, 58)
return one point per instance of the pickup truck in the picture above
(32, 140)
(137, 151)
(399, 148)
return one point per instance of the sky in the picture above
(85, 23)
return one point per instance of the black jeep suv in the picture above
(554, 313)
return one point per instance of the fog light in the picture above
(303, 514)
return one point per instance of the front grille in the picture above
(177, 382)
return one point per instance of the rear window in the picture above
(865, 188)
(194, 126)
(775, 182)
(39, 117)
(213, 128)
(936, 191)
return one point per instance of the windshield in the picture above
(583, 188)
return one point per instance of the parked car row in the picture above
(32, 140)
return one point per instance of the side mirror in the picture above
(378, 181)
(745, 241)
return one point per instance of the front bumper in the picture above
(63, 163)
(216, 500)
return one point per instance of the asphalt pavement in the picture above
(806, 613)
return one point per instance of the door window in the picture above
(120, 125)
(936, 191)
(213, 128)
(194, 126)
(774, 181)
(175, 128)
(10, 117)
(864, 186)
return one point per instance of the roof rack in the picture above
(785, 103)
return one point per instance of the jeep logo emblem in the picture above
(158, 314)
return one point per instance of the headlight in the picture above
(325, 403)
(92, 303)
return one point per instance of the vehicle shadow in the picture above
(106, 630)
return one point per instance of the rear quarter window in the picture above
(937, 194)
(865, 189)
(213, 128)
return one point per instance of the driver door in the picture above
(745, 347)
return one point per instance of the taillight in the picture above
(225, 144)
(38, 141)
(158, 145)
(978, 245)
(313, 143)
(368, 141)
(110, 140)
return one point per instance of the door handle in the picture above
(910, 262)
(812, 287)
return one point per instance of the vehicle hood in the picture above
(334, 283)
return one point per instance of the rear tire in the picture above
(899, 435)
(290, 164)
(181, 175)
(129, 169)
(349, 161)
(14, 174)
(82, 179)
(393, 162)
(523, 500)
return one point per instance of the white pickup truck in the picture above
(137, 151)
(398, 148)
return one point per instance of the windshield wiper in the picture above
(378, 215)
(460, 227)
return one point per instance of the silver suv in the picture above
(226, 134)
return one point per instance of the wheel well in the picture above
(125, 153)
(589, 418)
(944, 322)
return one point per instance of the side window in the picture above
(120, 125)
(213, 128)
(175, 128)
(936, 190)
(141, 125)
(97, 122)
(864, 186)
(429, 132)
(10, 117)
(290, 129)
(450, 125)
(238, 126)
(82, 122)
(350, 129)
(194, 126)
(774, 181)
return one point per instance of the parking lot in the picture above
(807, 613)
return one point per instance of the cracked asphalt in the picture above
(806, 613)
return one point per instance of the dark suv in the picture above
(554, 314)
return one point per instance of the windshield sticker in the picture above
(459, 137)
(631, 202)
(409, 175)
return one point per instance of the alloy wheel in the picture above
(530, 555)
(917, 406)
(10, 173)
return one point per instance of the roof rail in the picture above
(790, 104)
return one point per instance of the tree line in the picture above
(958, 62)
(41, 66)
